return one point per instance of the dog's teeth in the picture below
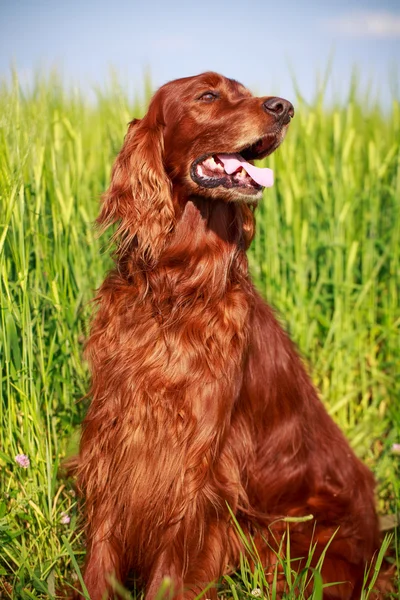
(210, 163)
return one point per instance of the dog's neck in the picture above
(212, 223)
(205, 256)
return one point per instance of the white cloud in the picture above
(371, 24)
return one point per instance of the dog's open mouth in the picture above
(234, 170)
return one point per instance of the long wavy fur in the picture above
(199, 399)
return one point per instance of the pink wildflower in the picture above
(23, 460)
(396, 448)
(65, 519)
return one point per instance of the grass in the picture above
(326, 254)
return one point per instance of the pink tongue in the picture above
(264, 177)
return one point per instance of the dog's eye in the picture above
(208, 97)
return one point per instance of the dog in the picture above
(202, 412)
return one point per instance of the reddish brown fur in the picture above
(199, 398)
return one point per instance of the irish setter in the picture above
(200, 404)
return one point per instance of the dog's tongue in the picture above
(232, 162)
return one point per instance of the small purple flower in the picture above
(22, 460)
(396, 448)
(65, 519)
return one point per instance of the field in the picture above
(326, 255)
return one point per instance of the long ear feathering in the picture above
(139, 196)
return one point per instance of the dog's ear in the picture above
(139, 197)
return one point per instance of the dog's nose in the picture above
(280, 108)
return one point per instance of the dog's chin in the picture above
(234, 194)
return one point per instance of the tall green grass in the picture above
(326, 254)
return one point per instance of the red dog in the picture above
(199, 399)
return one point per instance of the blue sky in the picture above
(258, 42)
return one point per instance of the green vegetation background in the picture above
(326, 255)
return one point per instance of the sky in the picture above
(265, 44)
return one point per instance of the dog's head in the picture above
(198, 138)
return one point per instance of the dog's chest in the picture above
(182, 342)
